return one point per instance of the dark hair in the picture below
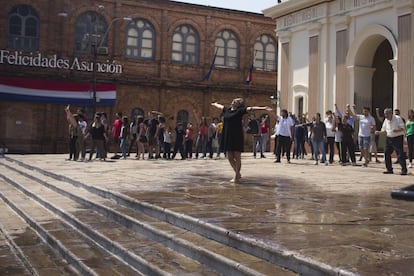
(140, 119)
(125, 119)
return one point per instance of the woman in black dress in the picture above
(232, 136)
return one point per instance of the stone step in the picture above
(137, 252)
(222, 258)
(258, 248)
(23, 252)
(85, 256)
(50, 229)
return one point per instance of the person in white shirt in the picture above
(330, 135)
(394, 127)
(366, 126)
(284, 133)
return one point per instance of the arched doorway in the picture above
(383, 77)
(372, 80)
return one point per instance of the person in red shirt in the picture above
(189, 133)
(116, 130)
(202, 138)
(264, 136)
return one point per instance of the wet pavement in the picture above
(340, 216)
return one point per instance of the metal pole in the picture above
(95, 54)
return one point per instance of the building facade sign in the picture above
(38, 60)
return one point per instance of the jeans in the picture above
(319, 146)
(123, 146)
(264, 138)
(410, 144)
(257, 144)
(201, 142)
(209, 147)
(299, 147)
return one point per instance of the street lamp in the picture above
(274, 99)
(96, 42)
(127, 18)
(97, 48)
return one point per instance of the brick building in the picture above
(128, 56)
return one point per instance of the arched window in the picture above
(227, 46)
(266, 53)
(183, 117)
(185, 45)
(89, 32)
(23, 32)
(140, 40)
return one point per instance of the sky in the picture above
(242, 5)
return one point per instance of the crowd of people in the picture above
(347, 132)
(155, 137)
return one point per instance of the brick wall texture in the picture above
(157, 84)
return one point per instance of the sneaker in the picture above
(403, 173)
(326, 163)
(315, 163)
(354, 164)
(388, 172)
(410, 165)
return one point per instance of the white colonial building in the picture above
(344, 51)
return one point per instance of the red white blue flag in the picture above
(55, 92)
(249, 77)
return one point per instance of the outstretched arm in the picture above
(217, 105)
(337, 111)
(377, 111)
(259, 108)
(197, 117)
(351, 110)
(69, 116)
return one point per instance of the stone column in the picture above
(284, 71)
(403, 97)
(314, 73)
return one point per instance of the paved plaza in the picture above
(338, 217)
